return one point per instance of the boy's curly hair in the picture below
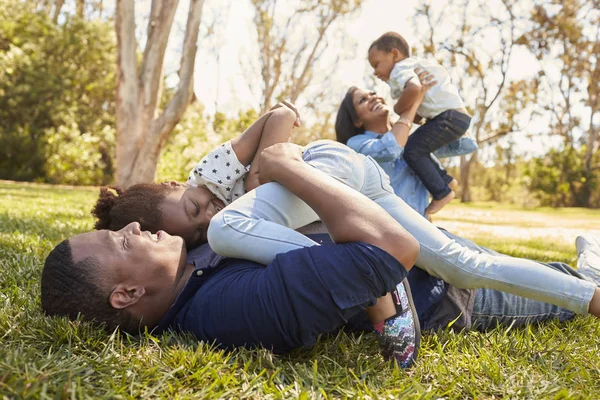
(389, 41)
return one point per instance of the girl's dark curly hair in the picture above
(346, 119)
(116, 208)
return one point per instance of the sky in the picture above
(225, 85)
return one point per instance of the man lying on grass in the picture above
(135, 279)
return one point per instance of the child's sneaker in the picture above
(401, 334)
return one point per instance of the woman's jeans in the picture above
(440, 131)
(261, 224)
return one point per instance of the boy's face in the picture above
(187, 212)
(383, 62)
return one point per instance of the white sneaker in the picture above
(588, 252)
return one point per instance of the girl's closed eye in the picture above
(125, 243)
(196, 211)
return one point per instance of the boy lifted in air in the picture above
(446, 117)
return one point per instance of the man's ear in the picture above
(124, 296)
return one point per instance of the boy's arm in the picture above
(410, 95)
(401, 128)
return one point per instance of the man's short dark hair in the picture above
(389, 41)
(71, 289)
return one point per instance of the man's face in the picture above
(382, 63)
(187, 213)
(152, 263)
(369, 107)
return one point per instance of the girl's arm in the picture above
(220, 170)
(273, 127)
(250, 143)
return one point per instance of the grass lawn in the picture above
(48, 358)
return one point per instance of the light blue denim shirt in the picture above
(384, 149)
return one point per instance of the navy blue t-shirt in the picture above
(285, 305)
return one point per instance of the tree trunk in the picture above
(58, 4)
(141, 133)
(80, 8)
(465, 177)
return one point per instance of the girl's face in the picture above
(370, 108)
(186, 212)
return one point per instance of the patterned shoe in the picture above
(401, 334)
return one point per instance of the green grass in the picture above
(42, 357)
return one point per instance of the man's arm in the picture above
(348, 215)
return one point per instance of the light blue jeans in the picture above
(261, 224)
(492, 308)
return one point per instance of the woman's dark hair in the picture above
(345, 122)
(73, 289)
(116, 208)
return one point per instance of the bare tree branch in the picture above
(184, 91)
(160, 22)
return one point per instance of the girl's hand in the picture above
(291, 106)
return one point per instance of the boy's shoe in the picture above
(588, 252)
(401, 334)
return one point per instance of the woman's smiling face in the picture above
(369, 107)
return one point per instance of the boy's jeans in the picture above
(440, 131)
(257, 227)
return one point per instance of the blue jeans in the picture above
(440, 131)
(492, 308)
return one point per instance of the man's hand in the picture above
(291, 106)
(278, 159)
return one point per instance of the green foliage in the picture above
(193, 137)
(54, 80)
(45, 358)
(78, 159)
(560, 179)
